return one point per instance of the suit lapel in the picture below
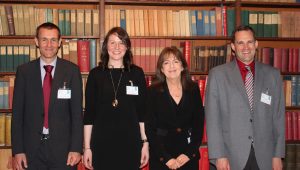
(237, 79)
(57, 83)
(258, 83)
(36, 74)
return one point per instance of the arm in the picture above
(74, 155)
(87, 152)
(76, 112)
(145, 148)
(88, 119)
(155, 141)
(213, 119)
(279, 124)
(20, 161)
(197, 124)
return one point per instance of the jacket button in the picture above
(161, 159)
(178, 130)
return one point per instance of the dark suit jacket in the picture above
(164, 119)
(65, 115)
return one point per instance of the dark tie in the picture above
(249, 83)
(47, 92)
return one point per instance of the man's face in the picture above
(244, 46)
(48, 43)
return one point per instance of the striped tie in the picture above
(249, 83)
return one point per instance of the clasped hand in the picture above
(178, 162)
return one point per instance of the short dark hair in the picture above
(186, 80)
(242, 28)
(123, 35)
(47, 25)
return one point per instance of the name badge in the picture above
(265, 98)
(132, 90)
(64, 93)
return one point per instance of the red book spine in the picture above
(288, 124)
(277, 58)
(83, 55)
(285, 60)
(143, 53)
(296, 56)
(137, 55)
(152, 63)
(266, 55)
(147, 55)
(298, 123)
(295, 125)
(224, 15)
(290, 67)
(204, 139)
(187, 52)
(295, 60)
(203, 162)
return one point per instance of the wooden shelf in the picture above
(32, 37)
(270, 4)
(277, 39)
(292, 108)
(7, 74)
(289, 73)
(51, 1)
(292, 142)
(168, 3)
(5, 147)
(5, 110)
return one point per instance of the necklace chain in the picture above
(115, 101)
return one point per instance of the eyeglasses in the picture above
(46, 40)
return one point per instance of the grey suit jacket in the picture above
(65, 115)
(231, 126)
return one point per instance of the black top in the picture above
(115, 130)
(174, 129)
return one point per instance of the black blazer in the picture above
(65, 115)
(168, 126)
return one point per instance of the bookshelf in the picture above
(108, 11)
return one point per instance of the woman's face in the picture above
(172, 67)
(116, 48)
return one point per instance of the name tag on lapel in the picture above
(64, 94)
(265, 98)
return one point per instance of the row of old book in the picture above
(273, 23)
(285, 59)
(290, 1)
(217, 21)
(5, 128)
(292, 157)
(79, 51)
(291, 84)
(292, 126)
(23, 20)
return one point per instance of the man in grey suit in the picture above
(47, 127)
(245, 110)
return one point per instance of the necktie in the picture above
(47, 92)
(249, 83)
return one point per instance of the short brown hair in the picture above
(47, 25)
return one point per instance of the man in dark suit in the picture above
(245, 110)
(47, 123)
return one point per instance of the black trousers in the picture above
(43, 160)
(251, 163)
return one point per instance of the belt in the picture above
(45, 136)
(165, 132)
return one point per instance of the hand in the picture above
(20, 161)
(73, 158)
(172, 164)
(222, 164)
(144, 154)
(87, 158)
(277, 163)
(182, 159)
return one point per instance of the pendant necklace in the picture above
(115, 101)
